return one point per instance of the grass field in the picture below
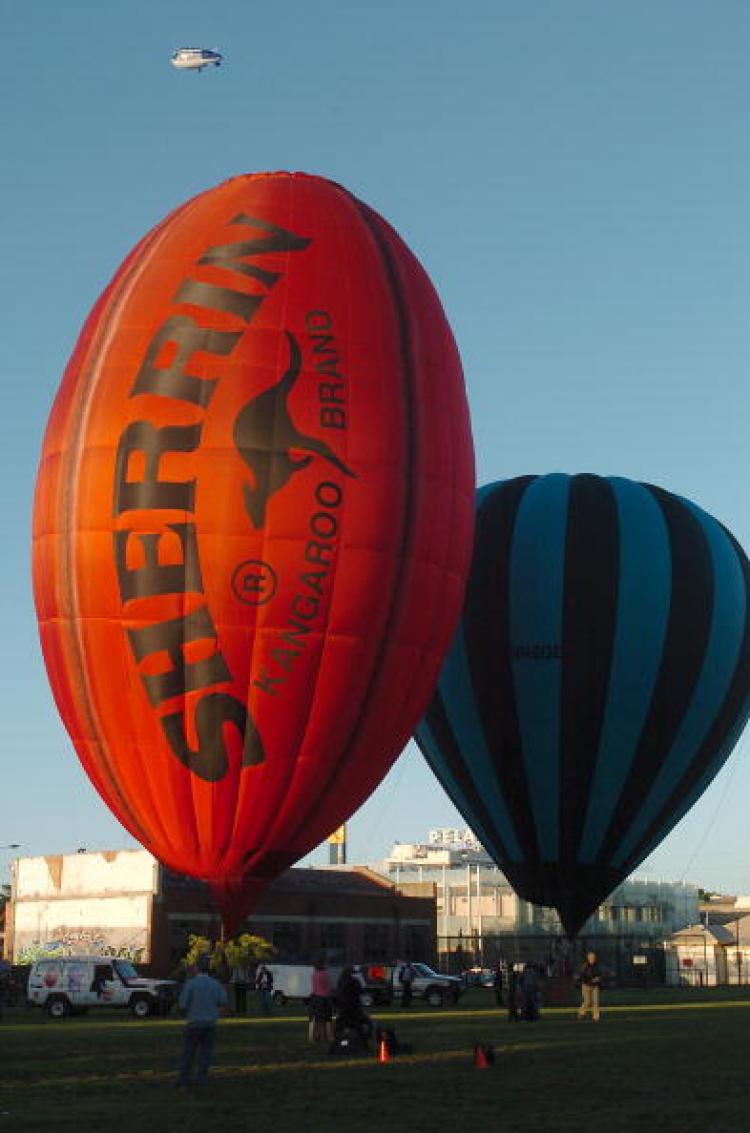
(664, 1060)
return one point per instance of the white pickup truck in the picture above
(383, 985)
(72, 984)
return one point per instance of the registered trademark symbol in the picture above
(254, 582)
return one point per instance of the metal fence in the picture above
(629, 961)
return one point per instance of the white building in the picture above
(475, 900)
(715, 951)
(59, 904)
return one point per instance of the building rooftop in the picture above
(352, 880)
(341, 880)
(716, 932)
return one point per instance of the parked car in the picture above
(377, 985)
(478, 977)
(383, 985)
(68, 985)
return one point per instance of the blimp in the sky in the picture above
(195, 58)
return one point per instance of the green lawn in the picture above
(662, 1059)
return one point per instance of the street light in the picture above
(10, 846)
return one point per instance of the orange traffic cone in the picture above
(481, 1059)
(384, 1055)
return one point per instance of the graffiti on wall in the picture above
(126, 944)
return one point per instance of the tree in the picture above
(240, 952)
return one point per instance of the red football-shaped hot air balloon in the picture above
(252, 524)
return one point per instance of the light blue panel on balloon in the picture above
(537, 568)
(720, 661)
(461, 709)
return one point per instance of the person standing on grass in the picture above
(591, 979)
(264, 988)
(530, 992)
(202, 1000)
(321, 1005)
(5, 984)
(497, 982)
(406, 977)
(512, 993)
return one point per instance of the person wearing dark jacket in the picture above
(406, 979)
(349, 1006)
(514, 995)
(264, 988)
(497, 983)
(591, 979)
(530, 994)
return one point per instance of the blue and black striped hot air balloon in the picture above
(598, 681)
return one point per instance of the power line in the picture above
(388, 793)
(736, 759)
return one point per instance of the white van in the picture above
(290, 981)
(294, 981)
(68, 985)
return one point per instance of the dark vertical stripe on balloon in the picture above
(589, 623)
(373, 223)
(443, 736)
(457, 694)
(644, 586)
(734, 704)
(487, 637)
(690, 612)
(719, 663)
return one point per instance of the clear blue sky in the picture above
(575, 176)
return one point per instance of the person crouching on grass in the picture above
(351, 1016)
(202, 1000)
(591, 979)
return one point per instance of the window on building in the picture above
(287, 939)
(375, 940)
(332, 940)
(418, 942)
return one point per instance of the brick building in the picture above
(125, 903)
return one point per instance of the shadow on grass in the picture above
(666, 1064)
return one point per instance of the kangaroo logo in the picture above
(265, 435)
